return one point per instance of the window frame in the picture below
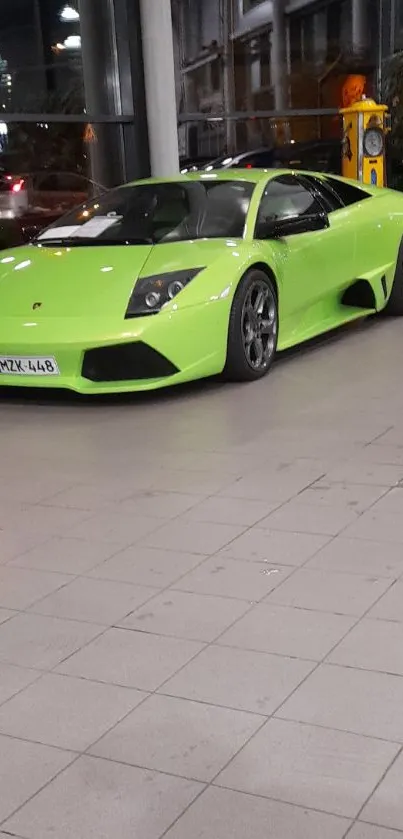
(315, 184)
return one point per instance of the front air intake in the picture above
(126, 362)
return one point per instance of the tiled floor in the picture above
(201, 606)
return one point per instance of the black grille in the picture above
(126, 362)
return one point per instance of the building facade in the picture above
(72, 88)
(72, 93)
(253, 57)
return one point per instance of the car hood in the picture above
(89, 281)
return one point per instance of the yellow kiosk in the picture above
(363, 147)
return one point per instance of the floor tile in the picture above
(367, 831)
(223, 813)
(345, 594)
(6, 614)
(14, 544)
(191, 739)
(91, 497)
(195, 537)
(238, 511)
(70, 556)
(240, 679)
(350, 700)
(197, 617)
(358, 472)
(291, 632)
(392, 437)
(43, 521)
(147, 566)
(360, 556)
(191, 481)
(372, 645)
(42, 642)
(380, 452)
(66, 712)
(103, 799)
(390, 606)
(25, 489)
(276, 486)
(96, 601)
(13, 679)
(385, 806)
(231, 463)
(295, 517)
(20, 587)
(391, 502)
(310, 766)
(381, 527)
(161, 505)
(259, 545)
(132, 659)
(122, 528)
(249, 581)
(24, 769)
(356, 497)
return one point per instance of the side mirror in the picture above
(291, 225)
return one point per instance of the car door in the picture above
(377, 239)
(313, 267)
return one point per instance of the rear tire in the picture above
(394, 306)
(253, 326)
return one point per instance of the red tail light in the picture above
(17, 187)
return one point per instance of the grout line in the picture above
(377, 785)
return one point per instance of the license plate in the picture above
(22, 365)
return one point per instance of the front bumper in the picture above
(152, 352)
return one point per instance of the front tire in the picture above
(253, 327)
(394, 306)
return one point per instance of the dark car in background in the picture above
(315, 155)
(30, 202)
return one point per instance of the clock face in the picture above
(373, 142)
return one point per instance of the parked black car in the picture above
(315, 155)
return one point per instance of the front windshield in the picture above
(156, 213)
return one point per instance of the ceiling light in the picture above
(73, 42)
(69, 15)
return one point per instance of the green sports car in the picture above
(160, 282)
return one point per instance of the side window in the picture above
(347, 193)
(330, 200)
(285, 196)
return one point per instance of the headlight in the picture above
(151, 293)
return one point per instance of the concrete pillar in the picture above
(228, 73)
(278, 56)
(159, 78)
(360, 30)
(101, 85)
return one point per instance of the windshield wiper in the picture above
(82, 241)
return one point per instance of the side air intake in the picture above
(359, 295)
